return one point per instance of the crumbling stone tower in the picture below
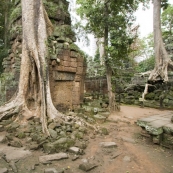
(66, 64)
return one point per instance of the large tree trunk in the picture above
(111, 95)
(33, 96)
(162, 61)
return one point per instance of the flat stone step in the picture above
(144, 121)
(154, 124)
(156, 127)
(13, 153)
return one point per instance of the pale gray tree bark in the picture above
(33, 96)
(162, 60)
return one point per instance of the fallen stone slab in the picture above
(100, 118)
(108, 144)
(13, 153)
(144, 121)
(50, 170)
(48, 158)
(75, 150)
(87, 166)
(130, 140)
(3, 170)
(156, 127)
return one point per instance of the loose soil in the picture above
(143, 155)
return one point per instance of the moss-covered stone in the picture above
(16, 143)
(56, 11)
(64, 30)
(150, 96)
(74, 47)
(167, 139)
(104, 131)
(12, 127)
(21, 135)
(63, 143)
(49, 148)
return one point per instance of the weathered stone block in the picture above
(72, 59)
(49, 148)
(53, 133)
(60, 68)
(66, 58)
(80, 64)
(71, 69)
(73, 64)
(50, 170)
(75, 150)
(108, 144)
(66, 69)
(66, 63)
(78, 78)
(80, 59)
(79, 70)
(52, 157)
(63, 76)
(156, 127)
(73, 54)
(87, 166)
(66, 52)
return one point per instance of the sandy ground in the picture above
(133, 154)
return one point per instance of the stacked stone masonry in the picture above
(67, 65)
(159, 128)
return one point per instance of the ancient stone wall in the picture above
(96, 85)
(67, 65)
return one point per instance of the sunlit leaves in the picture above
(167, 19)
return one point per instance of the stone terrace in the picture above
(159, 127)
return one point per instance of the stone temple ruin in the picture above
(67, 64)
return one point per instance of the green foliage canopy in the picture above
(167, 20)
(118, 21)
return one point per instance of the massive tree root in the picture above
(33, 98)
(162, 60)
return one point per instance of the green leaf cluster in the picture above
(167, 21)
(16, 13)
(146, 65)
(117, 17)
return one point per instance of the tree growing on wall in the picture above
(162, 60)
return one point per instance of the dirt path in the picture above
(133, 154)
(144, 156)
